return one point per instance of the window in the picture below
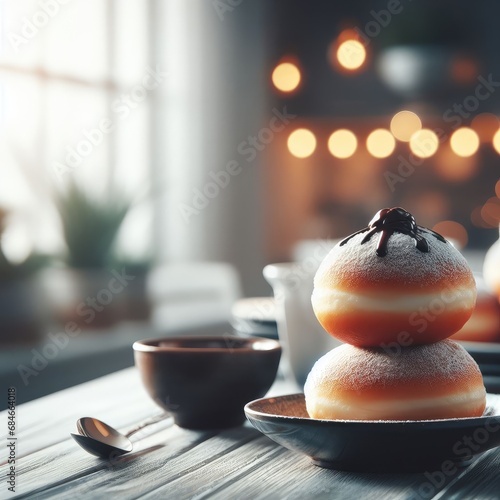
(74, 106)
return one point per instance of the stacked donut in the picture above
(484, 324)
(394, 292)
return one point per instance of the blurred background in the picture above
(156, 155)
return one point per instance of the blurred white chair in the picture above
(192, 294)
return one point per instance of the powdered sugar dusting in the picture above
(367, 367)
(353, 261)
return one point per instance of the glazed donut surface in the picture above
(424, 382)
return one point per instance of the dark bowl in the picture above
(377, 446)
(205, 382)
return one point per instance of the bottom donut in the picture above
(424, 382)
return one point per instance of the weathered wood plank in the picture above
(118, 399)
(184, 453)
(65, 465)
(169, 462)
(481, 481)
(288, 475)
(211, 473)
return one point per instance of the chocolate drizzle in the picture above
(394, 220)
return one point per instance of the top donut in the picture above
(393, 281)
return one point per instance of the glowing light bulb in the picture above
(351, 54)
(496, 141)
(464, 142)
(301, 143)
(380, 143)
(404, 124)
(342, 143)
(424, 143)
(286, 77)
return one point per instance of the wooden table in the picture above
(173, 463)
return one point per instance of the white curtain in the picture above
(214, 99)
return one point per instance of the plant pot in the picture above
(88, 297)
(133, 301)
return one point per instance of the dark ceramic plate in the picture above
(376, 446)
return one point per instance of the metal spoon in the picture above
(104, 441)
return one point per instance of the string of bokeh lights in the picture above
(405, 126)
(455, 157)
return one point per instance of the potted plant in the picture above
(90, 226)
(87, 289)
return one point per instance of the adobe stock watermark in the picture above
(422, 318)
(379, 20)
(351, 49)
(304, 270)
(249, 149)
(298, 275)
(88, 309)
(121, 107)
(31, 26)
(463, 450)
(232, 342)
(454, 115)
(223, 6)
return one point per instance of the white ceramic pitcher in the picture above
(304, 340)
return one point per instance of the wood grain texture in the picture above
(118, 399)
(170, 462)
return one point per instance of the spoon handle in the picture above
(146, 423)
